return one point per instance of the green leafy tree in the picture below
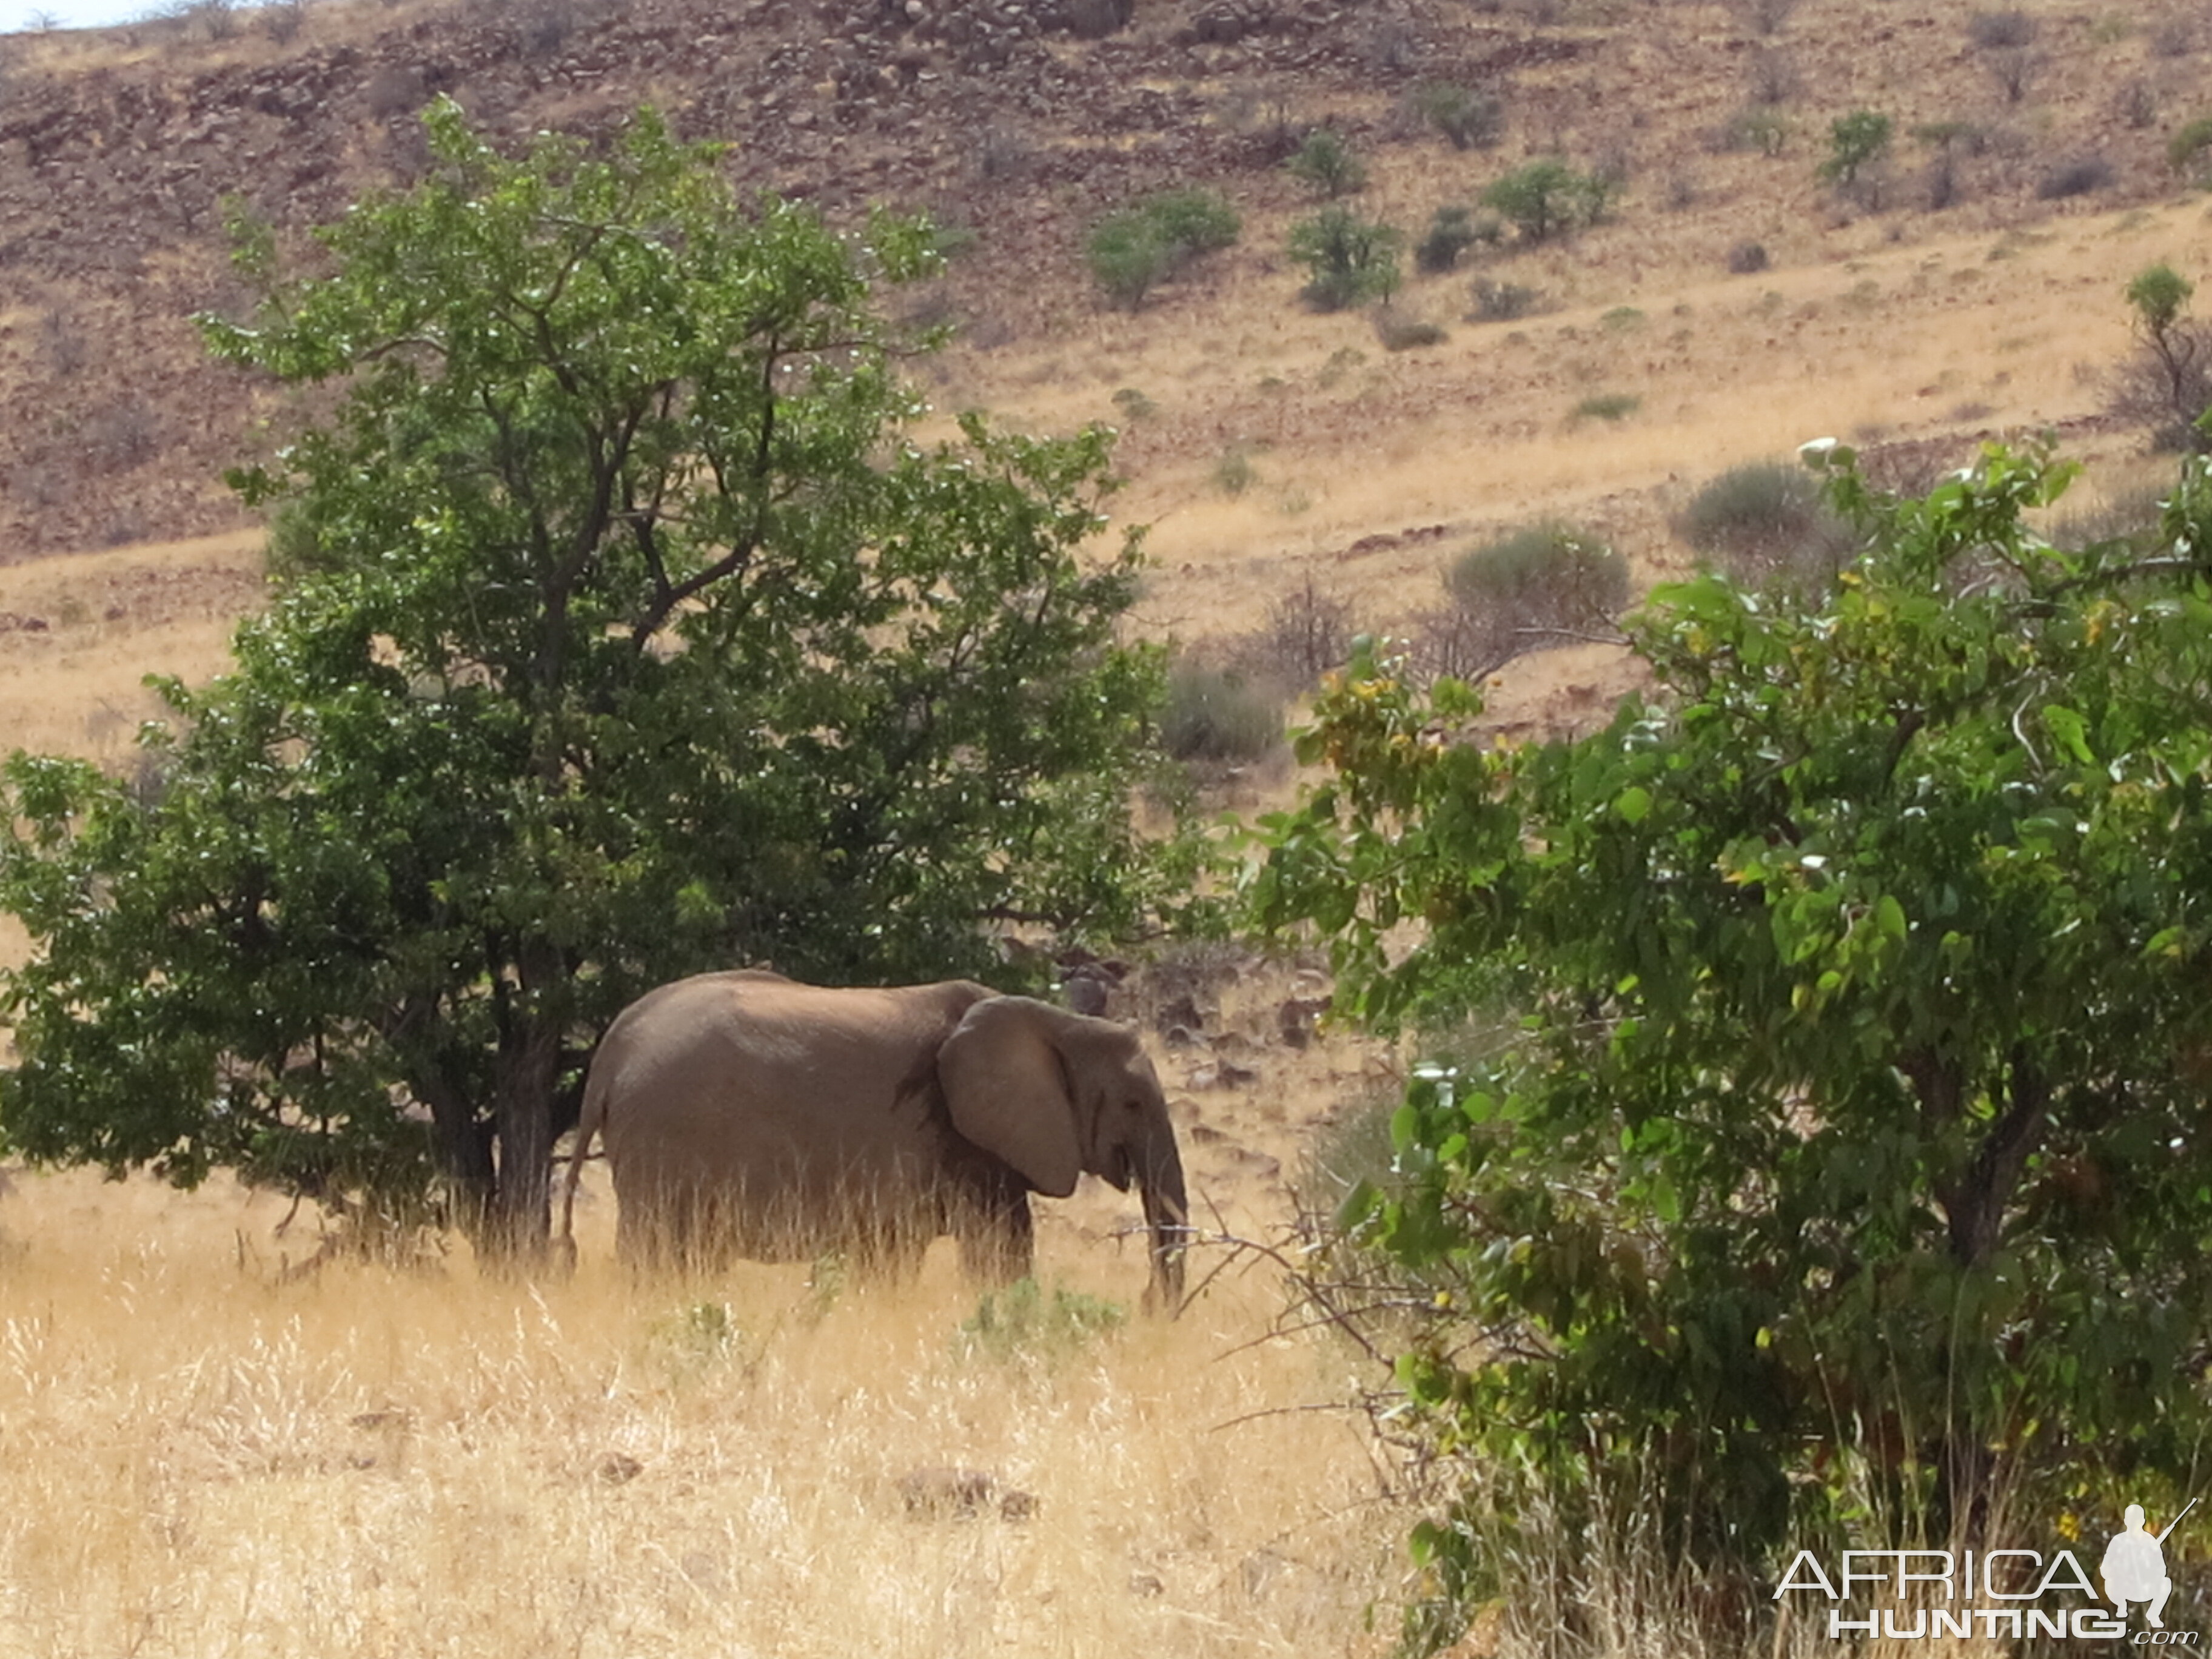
(1325, 163)
(1836, 1172)
(619, 632)
(1350, 259)
(1855, 142)
(1135, 250)
(2167, 386)
(1547, 198)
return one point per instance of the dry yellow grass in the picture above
(196, 1460)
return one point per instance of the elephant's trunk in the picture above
(1167, 1214)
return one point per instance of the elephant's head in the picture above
(1056, 1096)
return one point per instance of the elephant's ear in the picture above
(1007, 1089)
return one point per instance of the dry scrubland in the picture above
(196, 1459)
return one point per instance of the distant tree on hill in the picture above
(620, 632)
(2167, 385)
(1135, 250)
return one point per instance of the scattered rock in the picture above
(1184, 1011)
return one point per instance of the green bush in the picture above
(1135, 249)
(1213, 715)
(1766, 519)
(1128, 258)
(1325, 162)
(1234, 473)
(1020, 1322)
(1351, 259)
(2186, 151)
(1548, 198)
(1452, 231)
(1855, 142)
(1470, 120)
(1842, 1183)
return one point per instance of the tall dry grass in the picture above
(196, 1459)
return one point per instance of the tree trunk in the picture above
(528, 1068)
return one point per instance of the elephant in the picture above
(746, 1113)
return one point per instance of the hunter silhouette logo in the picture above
(2133, 1568)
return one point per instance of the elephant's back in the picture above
(793, 1093)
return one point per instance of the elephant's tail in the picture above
(596, 1089)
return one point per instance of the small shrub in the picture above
(1773, 77)
(1452, 233)
(1547, 198)
(1855, 142)
(1216, 715)
(1621, 319)
(1307, 634)
(1469, 119)
(2135, 106)
(1128, 258)
(1503, 302)
(1341, 362)
(1193, 221)
(282, 20)
(1234, 473)
(2014, 68)
(2176, 38)
(2189, 147)
(1350, 260)
(542, 27)
(1766, 16)
(1766, 520)
(2080, 175)
(1527, 590)
(1020, 1323)
(2001, 30)
(1399, 333)
(1134, 405)
(394, 90)
(1758, 128)
(1608, 406)
(694, 1340)
(1747, 258)
(1325, 162)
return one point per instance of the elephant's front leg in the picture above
(991, 1220)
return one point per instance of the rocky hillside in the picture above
(1022, 121)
